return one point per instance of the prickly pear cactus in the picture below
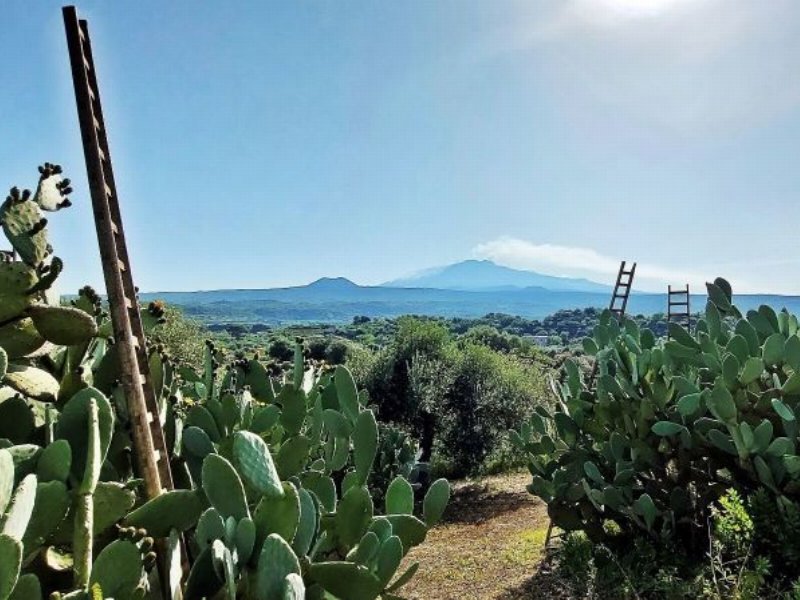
(278, 504)
(670, 424)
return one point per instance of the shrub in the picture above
(458, 397)
(668, 426)
(337, 352)
(281, 348)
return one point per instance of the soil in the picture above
(490, 545)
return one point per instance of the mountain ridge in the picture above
(486, 275)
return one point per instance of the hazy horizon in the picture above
(265, 144)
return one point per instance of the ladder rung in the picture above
(97, 124)
(114, 228)
(86, 64)
(109, 192)
(121, 265)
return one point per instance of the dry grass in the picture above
(489, 545)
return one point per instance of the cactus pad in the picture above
(223, 487)
(16, 280)
(118, 569)
(16, 420)
(63, 325)
(32, 382)
(19, 337)
(10, 562)
(255, 462)
(279, 515)
(346, 580)
(275, 562)
(52, 191)
(25, 227)
(19, 511)
(72, 426)
(435, 502)
(176, 509)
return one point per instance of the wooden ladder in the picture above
(622, 290)
(617, 306)
(150, 451)
(678, 306)
(619, 301)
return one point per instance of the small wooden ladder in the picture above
(618, 306)
(619, 301)
(622, 290)
(678, 306)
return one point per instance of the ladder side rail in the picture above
(132, 305)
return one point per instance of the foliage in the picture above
(271, 474)
(456, 395)
(183, 338)
(671, 424)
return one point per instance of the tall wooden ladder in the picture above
(152, 458)
(678, 306)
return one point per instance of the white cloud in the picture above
(693, 67)
(574, 261)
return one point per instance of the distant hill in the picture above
(339, 300)
(484, 275)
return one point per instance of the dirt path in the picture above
(488, 546)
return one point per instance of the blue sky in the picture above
(259, 144)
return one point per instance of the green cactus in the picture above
(118, 569)
(10, 563)
(644, 447)
(63, 325)
(175, 509)
(84, 506)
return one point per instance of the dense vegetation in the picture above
(275, 478)
(683, 447)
